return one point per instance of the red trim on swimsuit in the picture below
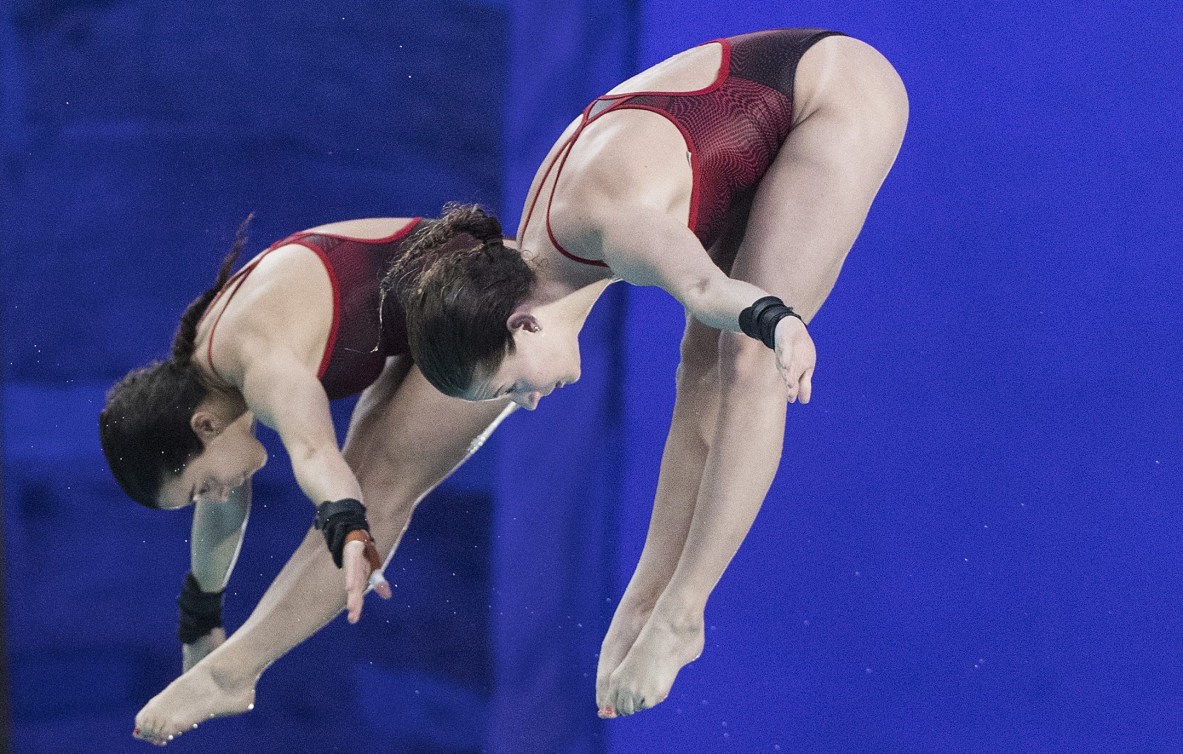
(386, 239)
(235, 282)
(733, 129)
(587, 118)
(298, 239)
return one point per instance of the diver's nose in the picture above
(529, 401)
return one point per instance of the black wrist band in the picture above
(760, 319)
(336, 519)
(200, 612)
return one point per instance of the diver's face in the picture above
(230, 458)
(542, 362)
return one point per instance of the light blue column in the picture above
(554, 548)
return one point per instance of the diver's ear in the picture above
(524, 321)
(206, 425)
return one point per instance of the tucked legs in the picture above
(405, 438)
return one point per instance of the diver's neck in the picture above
(563, 300)
(227, 401)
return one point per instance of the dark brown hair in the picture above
(457, 284)
(144, 426)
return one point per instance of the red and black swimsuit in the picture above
(359, 341)
(733, 128)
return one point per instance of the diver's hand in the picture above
(363, 568)
(795, 358)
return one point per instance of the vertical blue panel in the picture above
(558, 484)
(562, 55)
(9, 106)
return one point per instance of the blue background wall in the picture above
(973, 543)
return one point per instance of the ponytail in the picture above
(457, 283)
(185, 341)
(462, 229)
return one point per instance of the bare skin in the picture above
(214, 545)
(196, 651)
(401, 448)
(260, 351)
(404, 439)
(623, 198)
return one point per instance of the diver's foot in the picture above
(197, 696)
(622, 634)
(645, 676)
